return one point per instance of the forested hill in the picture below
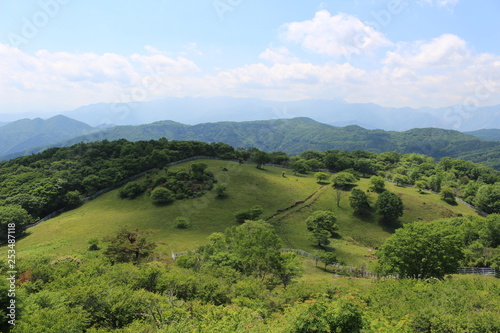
(486, 134)
(25, 134)
(296, 135)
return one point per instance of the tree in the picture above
(253, 246)
(359, 201)
(390, 206)
(343, 180)
(73, 199)
(365, 166)
(321, 236)
(13, 221)
(423, 250)
(161, 195)
(260, 158)
(435, 182)
(323, 226)
(328, 258)
(250, 214)
(400, 180)
(321, 176)
(198, 169)
(421, 185)
(128, 246)
(377, 184)
(488, 198)
(447, 195)
(288, 267)
(300, 166)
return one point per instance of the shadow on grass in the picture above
(389, 225)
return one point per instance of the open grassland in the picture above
(247, 186)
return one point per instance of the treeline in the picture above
(34, 186)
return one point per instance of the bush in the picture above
(182, 222)
(220, 190)
(131, 190)
(250, 214)
(161, 195)
(448, 196)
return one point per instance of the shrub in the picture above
(131, 190)
(161, 195)
(182, 222)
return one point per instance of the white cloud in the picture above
(444, 51)
(441, 3)
(339, 35)
(279, 55)
(44, 79)
(439, 72)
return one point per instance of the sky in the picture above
(57, 55)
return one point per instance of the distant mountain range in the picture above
(25, 134)
(193, 111)
(300, 134)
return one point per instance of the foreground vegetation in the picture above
(106, 266)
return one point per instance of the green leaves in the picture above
(322, 224)
(390, 206)
(423, 250)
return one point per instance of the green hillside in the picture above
(492, 134)
(296, 135)
(68, 233)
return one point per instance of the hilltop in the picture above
(27, 134)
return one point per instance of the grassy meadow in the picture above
(247, 186)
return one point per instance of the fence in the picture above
(479, 271)
(364, 273)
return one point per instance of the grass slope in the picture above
(247, 186)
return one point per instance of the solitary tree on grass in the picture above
(390, 206)
(359, 201)
(323, 226)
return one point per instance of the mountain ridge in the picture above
(296, 135)
(26, 133)
(195, 110)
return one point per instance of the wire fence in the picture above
(359, 272)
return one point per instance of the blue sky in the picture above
(56, 55)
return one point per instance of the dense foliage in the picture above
(434, 249)
(239, 282)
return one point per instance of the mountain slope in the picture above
(24, 134)
(491, 134)
(296, 135)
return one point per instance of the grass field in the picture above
(247, 186)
